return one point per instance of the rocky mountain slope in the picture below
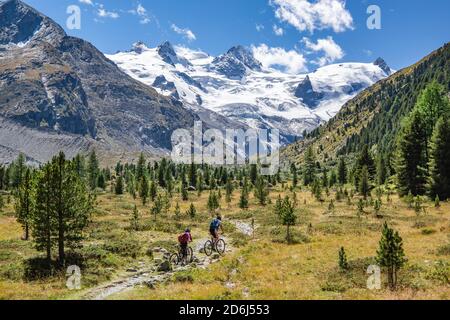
(374, 116)
(60, 93)
(237, 86)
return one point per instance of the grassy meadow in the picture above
(259, 266)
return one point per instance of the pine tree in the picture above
(162, 173)
(364, 184)
(437, 202)
(184, 192)
(24, 204)
(166, 203)
(191, 211)
(432, 104)
(294, 175)
(381, 170)
(342, 172)
(377, 206)
(73, 205)
(243, 200)
(199, 184)
(119, 186)
(229, 191)
(278, 208)
(333, 178)
(360, 206)
(43, 221)
(177, 211)
(213, 201)
(80, 165)
(134, 221)
(93, 170)
(192, 175)
(253, 173)
(390, 254)
(2, 177)
(418, 208)
(309, 174)
(141, 168)
(317, 190)
(101, 181)
(153, 192)
(343, 264)
(18, 171)
(324, 178)
(261, 191)
(2, 203)
(439, 179)
(144, 190)
(62, 208)
(288, 217)
(157, 206)
(131, 186)
(411, 156)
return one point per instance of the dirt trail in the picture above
(152, 275)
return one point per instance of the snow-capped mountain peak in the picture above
(235, 62)
(139, 47)
(235, 85)
(168, 54)
(383, 65)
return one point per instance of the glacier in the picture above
(236, 85)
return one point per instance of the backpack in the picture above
(215, 224)
(183, 238)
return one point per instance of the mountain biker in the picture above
(214, 228)
(183, 240)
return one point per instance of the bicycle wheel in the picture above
(174, 259)
(208, 248)
(190, 255)
(220, 247)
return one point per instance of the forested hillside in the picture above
(375, 116)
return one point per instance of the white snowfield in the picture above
(264, 98)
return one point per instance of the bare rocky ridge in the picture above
(60, 93)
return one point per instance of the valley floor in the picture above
(258, 266)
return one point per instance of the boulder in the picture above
(165, 266)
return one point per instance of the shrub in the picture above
(126, 247)
(444, 250)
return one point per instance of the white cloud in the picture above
(259, 27)
(141, 10)
(278, 30)
(368, 52)
(188, 34)
(290, 61)
(142, 13)
(89, 2)
(317, 15)
(331, 50)
(102, 12)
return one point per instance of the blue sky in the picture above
(310, 32)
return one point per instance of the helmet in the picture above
(187, 230)
(219, 218)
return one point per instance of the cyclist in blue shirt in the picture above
(214, 228)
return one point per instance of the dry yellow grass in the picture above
(261, 268)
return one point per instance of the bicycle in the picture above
(219, 247)
(179, 257)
